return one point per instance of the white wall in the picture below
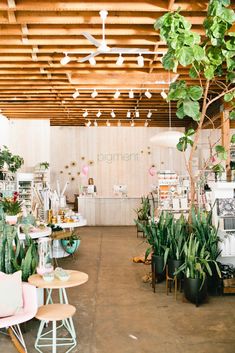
(31, 140)
(4, 131)
(120, 155)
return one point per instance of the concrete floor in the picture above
(118, 313)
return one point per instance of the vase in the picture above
(70, 248)
(195, 290)
(12, 220)
(173, 266)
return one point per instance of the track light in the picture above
(88, 124)
(65, 60)
(163, 94)
(120, 60)
(107, 123)
(132, 123)
(149, 114)
(85, 114)
(94, 93)
(95, 123)
(98, 114)
(117, 94)
(112, 114)
(148, 94)
(137, 114)
(146, 123)
(76, 94)
(92, 61)
(128, 114)
(140, 60)
(131, 94)
(119, 123)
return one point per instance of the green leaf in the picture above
(180, 112)
(199, 52)
(209, 72)
(185, 56)
(191, 108)
(228, 15)
(232, 138)
(228, 97)
(221, 152)
(232, 115)
(168, 60)
(193, 72)
(225, 2)
(195, 92)
(190, 132)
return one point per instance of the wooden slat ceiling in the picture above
(35, 34)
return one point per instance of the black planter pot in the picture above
(214, 282)
(158, 271)
(193, 290)
(173, 265)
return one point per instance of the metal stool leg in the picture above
(53, 336)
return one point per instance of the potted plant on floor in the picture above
(143, 213)
(177, 236)
(207, 234)
(156, 237)
(15, 255)
(196, 267)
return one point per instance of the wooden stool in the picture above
(55, 312)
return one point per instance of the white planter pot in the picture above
(11, 219)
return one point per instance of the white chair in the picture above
(27, 313)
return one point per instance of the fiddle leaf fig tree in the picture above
(207, 61)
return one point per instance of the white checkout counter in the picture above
(108, 211)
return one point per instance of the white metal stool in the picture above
(53, 313)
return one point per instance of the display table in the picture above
(58, 250)
(40, 233)
(76, 278)
(109, 210)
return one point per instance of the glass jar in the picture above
(45, 264)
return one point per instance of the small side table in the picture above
(76, 279)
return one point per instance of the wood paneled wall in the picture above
(31, 140)
(114, 155)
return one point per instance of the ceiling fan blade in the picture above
(95, 53)
(91, 39)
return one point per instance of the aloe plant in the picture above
(178, 233)
(15, 255)
(205, 232)
(143, 212)
(156, 234)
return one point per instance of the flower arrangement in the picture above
(11, 205)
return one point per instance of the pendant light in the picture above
(168, 138)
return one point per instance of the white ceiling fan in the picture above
(102, 46)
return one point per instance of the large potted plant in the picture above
(156, 237)
(206, 60)
(177, 236)
(143, 214)
(15, 255)
(207, 235)
(196, 267)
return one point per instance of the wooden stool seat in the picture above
(55, 312)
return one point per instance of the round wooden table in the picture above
(76, 279)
